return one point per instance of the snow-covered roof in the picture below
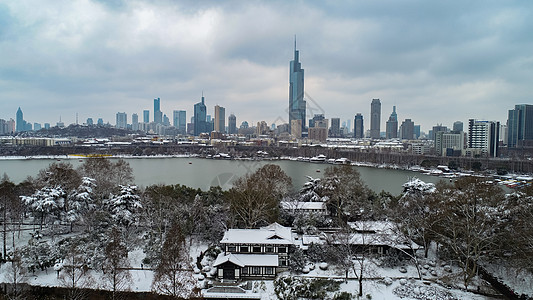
(273, 234)
(300, 205)
(243, 260)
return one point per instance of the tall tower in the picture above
(375, 119)
(158, 115)
(358, 129)
(297, 105)
(392, 125)
(200, 117)
(20, 126)
(220, 119)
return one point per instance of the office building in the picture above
(232, 124)
(407, 130)
(220, 119)
(450, 143)
(358, 128)
(179, 120)
(122, 120)
(146, 116)
(296, 128)
(335, 129)
(519, 125)
(375, 119)
(483, 137)
(200, 117)
(37, 126)
(90, 121)
(391, 130)
(297, 105)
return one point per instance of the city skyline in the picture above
(99, 59)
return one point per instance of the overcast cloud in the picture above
(437, 61)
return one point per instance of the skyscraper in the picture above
(392, 125)
(200, 117)
(375, 119)
(20, 121)
(158, 115)
(297, 104)
(146, 116)
(232, 124)
(407, 130)
(358, 129)
(135, 122)
(179, 120)
(335, 129)
(220, 119)
(519, 124)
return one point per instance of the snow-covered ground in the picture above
(380, 282)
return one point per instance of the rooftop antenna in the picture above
(76, 118)
(295, 42)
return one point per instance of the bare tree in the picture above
(173, 275)
(16, 275)
(116, 265)
(75, 275)
(7, 198)
(254, 199)
(469, 227)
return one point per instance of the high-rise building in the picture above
(417, 131)
(37, 126)
(484, 135)
(335, 129)
(392, 125)
(375, 119)
(179, 120)
(135, 122)
(46, 125)
(100, 121)
(407, 130)
(166, 120)
(297, 104)
(158, 114)
(318, 134)
(457, 126)
(20, 121)
(220, 119)
(358, 129)
(146, 116)
(200, 117)
(90, 121)
(519, 125)
(232, 124)
(122, 120)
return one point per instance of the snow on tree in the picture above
(125, 206)
(312, 190)
(417, 186)
(75, 267)
(417, 213)
(81, 201)
(47, 201)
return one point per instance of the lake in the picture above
(203, 173)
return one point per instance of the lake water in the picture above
(203, 173)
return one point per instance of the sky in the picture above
(437, 61)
